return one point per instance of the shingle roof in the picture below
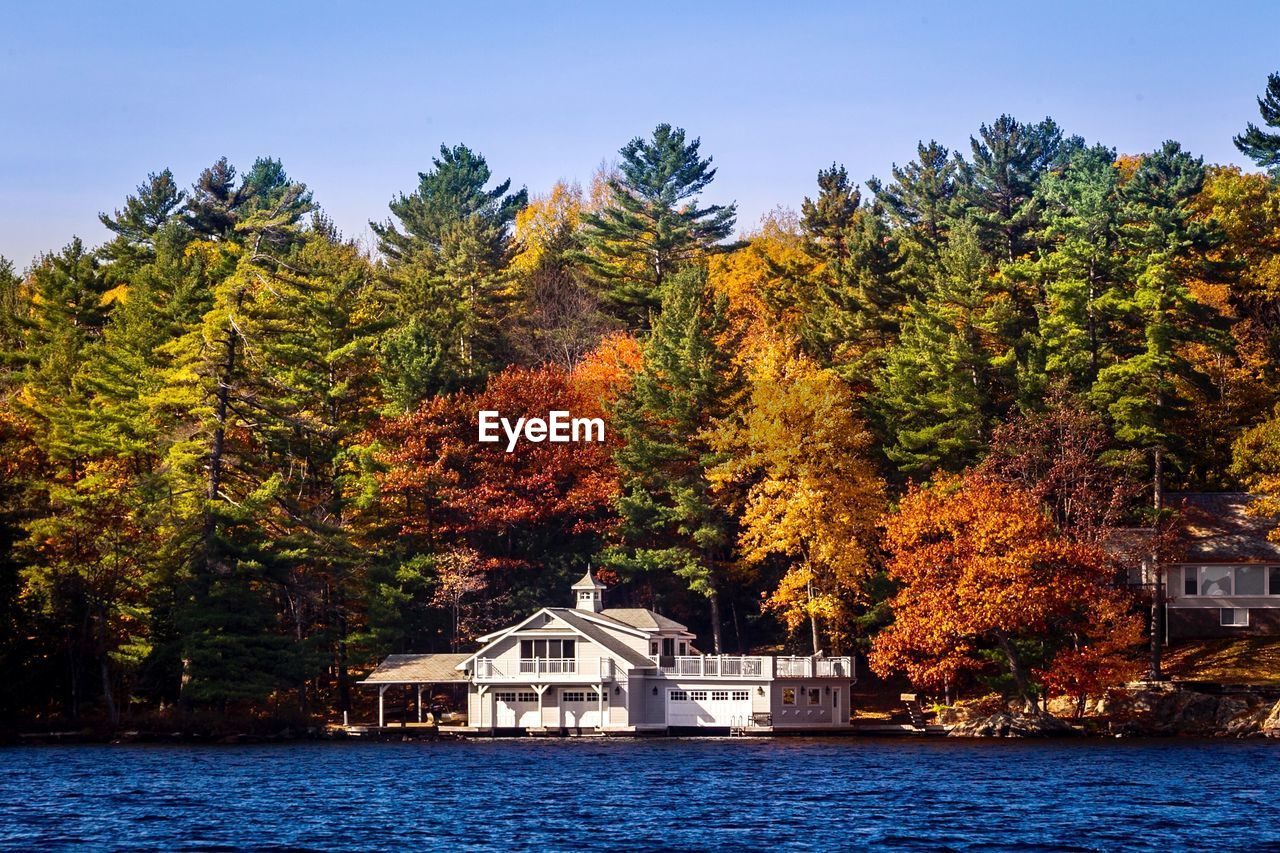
(418, 669)
(1217, 526)
(639, 617)
(601, 637)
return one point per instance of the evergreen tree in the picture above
(447, 260)
(949, 376)
(652, 223)
(1009, 158)
(1160, 237)
(157, 203)
(1083, 274)
(671, 520)
(920, 204)
(1261, 146)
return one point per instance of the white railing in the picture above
(796, 667)
(548, 669)
(539, 666)
(714, 666)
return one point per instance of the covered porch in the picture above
(417, 674)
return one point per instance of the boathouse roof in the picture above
(418, 669)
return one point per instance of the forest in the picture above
(239, 459)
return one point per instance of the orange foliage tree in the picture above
(984, 575)
(443, 488)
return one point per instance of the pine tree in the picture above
(1261, 146)
(1082, 270)
(447, 261)
(671, 520)
(1160, 237)
(1009, 158)
(949, 375)
(920, 204)
(652, 224)
(157, 203)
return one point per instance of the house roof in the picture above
(599, 635)
(588, 581)
(418, 669)
(639, 617)
(1218, 527)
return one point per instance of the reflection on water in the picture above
(652, 794)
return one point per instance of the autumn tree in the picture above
(983, 576)
(812, 492)
(653, 223)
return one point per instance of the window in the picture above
(1235, 617)
(815, 696)
(653, 648)
(545, 649)
(788, 696)
(719, 695)
(679, 696)
(573, 696)
(505, 697)
(1230, 580)
(698, 695)
(1251, 580)
(527, 697)
(669, 647)
(684, 648)
(835, 698)
(1215, 580)
(741, 696)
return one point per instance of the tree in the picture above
(672, 522)
(158, 202)
(1066, 459)
(948, 377)
(921, 203)
(1161, 239)
(983, 575)
(446, 261)
(812, 494)
(652, 223)
(1261, 146)
(1009, 159)
(1083, 271)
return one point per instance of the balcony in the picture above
(713, 666)
(796, 667)
(559, 670)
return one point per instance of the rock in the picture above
(1271, 724)
(1014, 725)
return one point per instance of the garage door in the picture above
(719, 708)
(517, 709)
(581, 709)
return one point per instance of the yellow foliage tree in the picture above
(812, 493)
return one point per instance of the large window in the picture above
(545, 649)
(1218, 581)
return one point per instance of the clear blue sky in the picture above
(356, 97)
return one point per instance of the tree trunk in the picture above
(813, 619)
(1032, 702)
(1157, 624)
(714, 598)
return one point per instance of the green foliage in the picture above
(652, 223)
(1261, 146)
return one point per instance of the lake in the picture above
(693, 794)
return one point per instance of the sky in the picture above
(355, 98)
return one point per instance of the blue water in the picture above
(645, 795)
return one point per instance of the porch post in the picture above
(419, 703)
(382, 689)
(600, 705)
(540, 689)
